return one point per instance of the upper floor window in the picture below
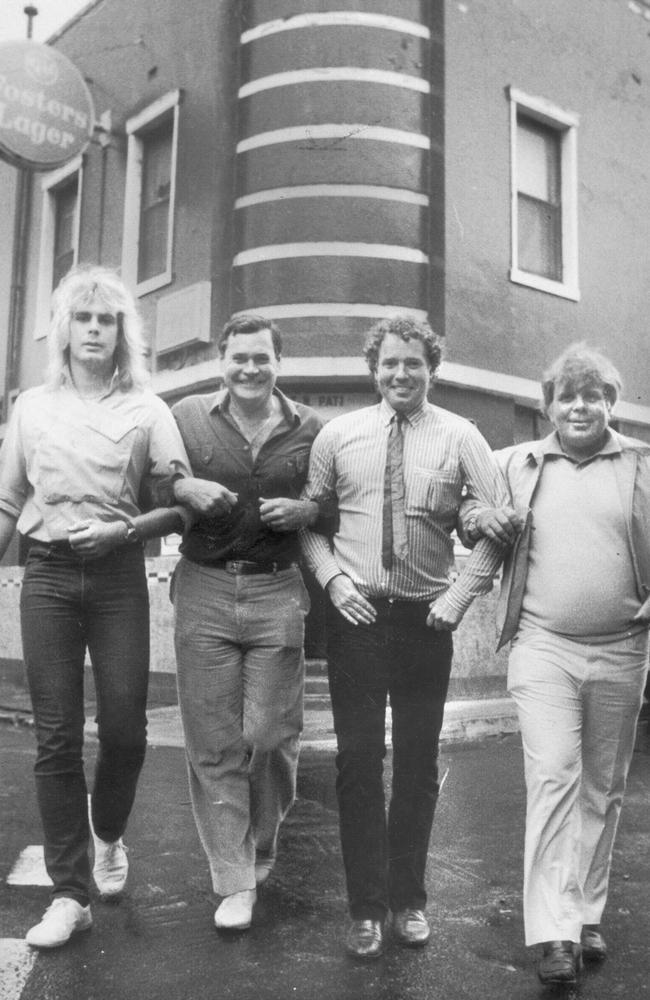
(59, 242)
(155, 201)
(65, 215)
(149, 197)
(544, 196)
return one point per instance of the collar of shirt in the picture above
(67, 382)
(221, 405)
(386, 413)
(551, 446)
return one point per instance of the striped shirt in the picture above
(443, 454)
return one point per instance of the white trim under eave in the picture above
(523, 391)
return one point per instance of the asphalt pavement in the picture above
(160, 941)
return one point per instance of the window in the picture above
(65, 214)
(154, 202)
(60, 227)
(149, 199)
(544, 196)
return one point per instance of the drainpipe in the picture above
(22, 217)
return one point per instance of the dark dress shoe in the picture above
(560, 962)
(365, 939)
(593, 944)
(410, 928)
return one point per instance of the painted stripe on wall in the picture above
(352, 19)
(326, 74)
(281, 251)
(29, 868)
(16, 962)
(297, 133)
(333, 191)
(300, 310)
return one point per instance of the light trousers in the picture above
(239, 652)
(577, 706)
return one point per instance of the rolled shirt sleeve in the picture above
(485, 483)
(320, 487)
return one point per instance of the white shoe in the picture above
(111, 866)
(235, 912)
(63, 918)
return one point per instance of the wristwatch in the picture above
(131, 536)
(472, 531)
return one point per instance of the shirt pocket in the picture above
(433, 492)
(295, 468)
(87, 462)
(200, 455)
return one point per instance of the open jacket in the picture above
(522, 467)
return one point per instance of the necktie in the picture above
(394, 538)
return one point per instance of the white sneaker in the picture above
(235, 912)
(63, 918)
(111, 866)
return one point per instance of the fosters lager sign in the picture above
(46, 111)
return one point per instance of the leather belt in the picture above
(244, 567)
(387, 604)
(61, 545)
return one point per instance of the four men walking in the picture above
(264, 477)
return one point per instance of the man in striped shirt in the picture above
(391, 612)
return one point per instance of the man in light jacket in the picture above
(574, 602)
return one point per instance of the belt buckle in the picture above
(243, 566)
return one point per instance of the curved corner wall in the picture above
(339, 207)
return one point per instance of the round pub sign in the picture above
(46, 111)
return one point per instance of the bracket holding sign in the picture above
(47, 115)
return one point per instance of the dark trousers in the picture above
(69, 605)
(398, 657)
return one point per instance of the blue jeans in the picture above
(241, 671)
(70, 605)
(399, 657)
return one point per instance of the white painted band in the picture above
(333, 191)
(281, 251)
(351, 19)
(333, 74)
(311, 133)
(362, 310)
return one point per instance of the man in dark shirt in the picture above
(240, 604)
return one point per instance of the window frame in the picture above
(137, 127)
(50, 184)
(565, 123)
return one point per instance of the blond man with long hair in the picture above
(81, 453)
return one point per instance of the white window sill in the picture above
(564, 291)
(153, 284)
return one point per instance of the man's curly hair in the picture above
(408, 328)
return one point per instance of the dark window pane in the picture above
(154, 205)
(64, 219)
(540, 238)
